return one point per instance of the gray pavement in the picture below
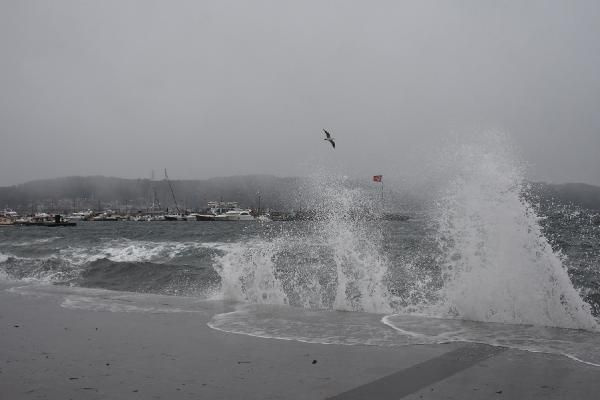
(50, 352)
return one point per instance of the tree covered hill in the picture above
(99, 192)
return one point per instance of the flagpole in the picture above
(379, 179)
(382, 202)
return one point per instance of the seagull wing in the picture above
(332, 143)
(327, 134)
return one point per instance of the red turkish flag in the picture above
(377, 178)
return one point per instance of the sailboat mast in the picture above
(172, 192)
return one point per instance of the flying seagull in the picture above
(329, 138)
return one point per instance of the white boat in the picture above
(191, 217)
(235, 215)
(82, 215)
(106, 216)
(8, 213)
(200, 217)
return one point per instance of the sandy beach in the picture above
(163, 349)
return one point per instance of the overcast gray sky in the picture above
(214, 88)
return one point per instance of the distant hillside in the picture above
(99, 192)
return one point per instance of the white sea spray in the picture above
(497, 265)
(334, 261)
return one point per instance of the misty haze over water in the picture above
(206, 89)
(130, 195)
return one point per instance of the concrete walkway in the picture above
(50, 352)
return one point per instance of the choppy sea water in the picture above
(484, 261)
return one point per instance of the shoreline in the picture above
(162, 347)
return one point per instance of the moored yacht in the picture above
(200, 217)
(108, 215)
(8, 213)
(235, 215)
(81, 215)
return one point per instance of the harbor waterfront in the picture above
(222, 214)
(118, 309)
(484, 272)
(377, 267)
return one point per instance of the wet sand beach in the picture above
(49, 351)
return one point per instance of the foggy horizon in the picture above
(214, 89)
(365, 178)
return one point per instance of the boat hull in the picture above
(205, 217)
(49, 224)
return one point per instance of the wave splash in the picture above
(334, 262)
(495, 278)
(496, 264)
(493, 265)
